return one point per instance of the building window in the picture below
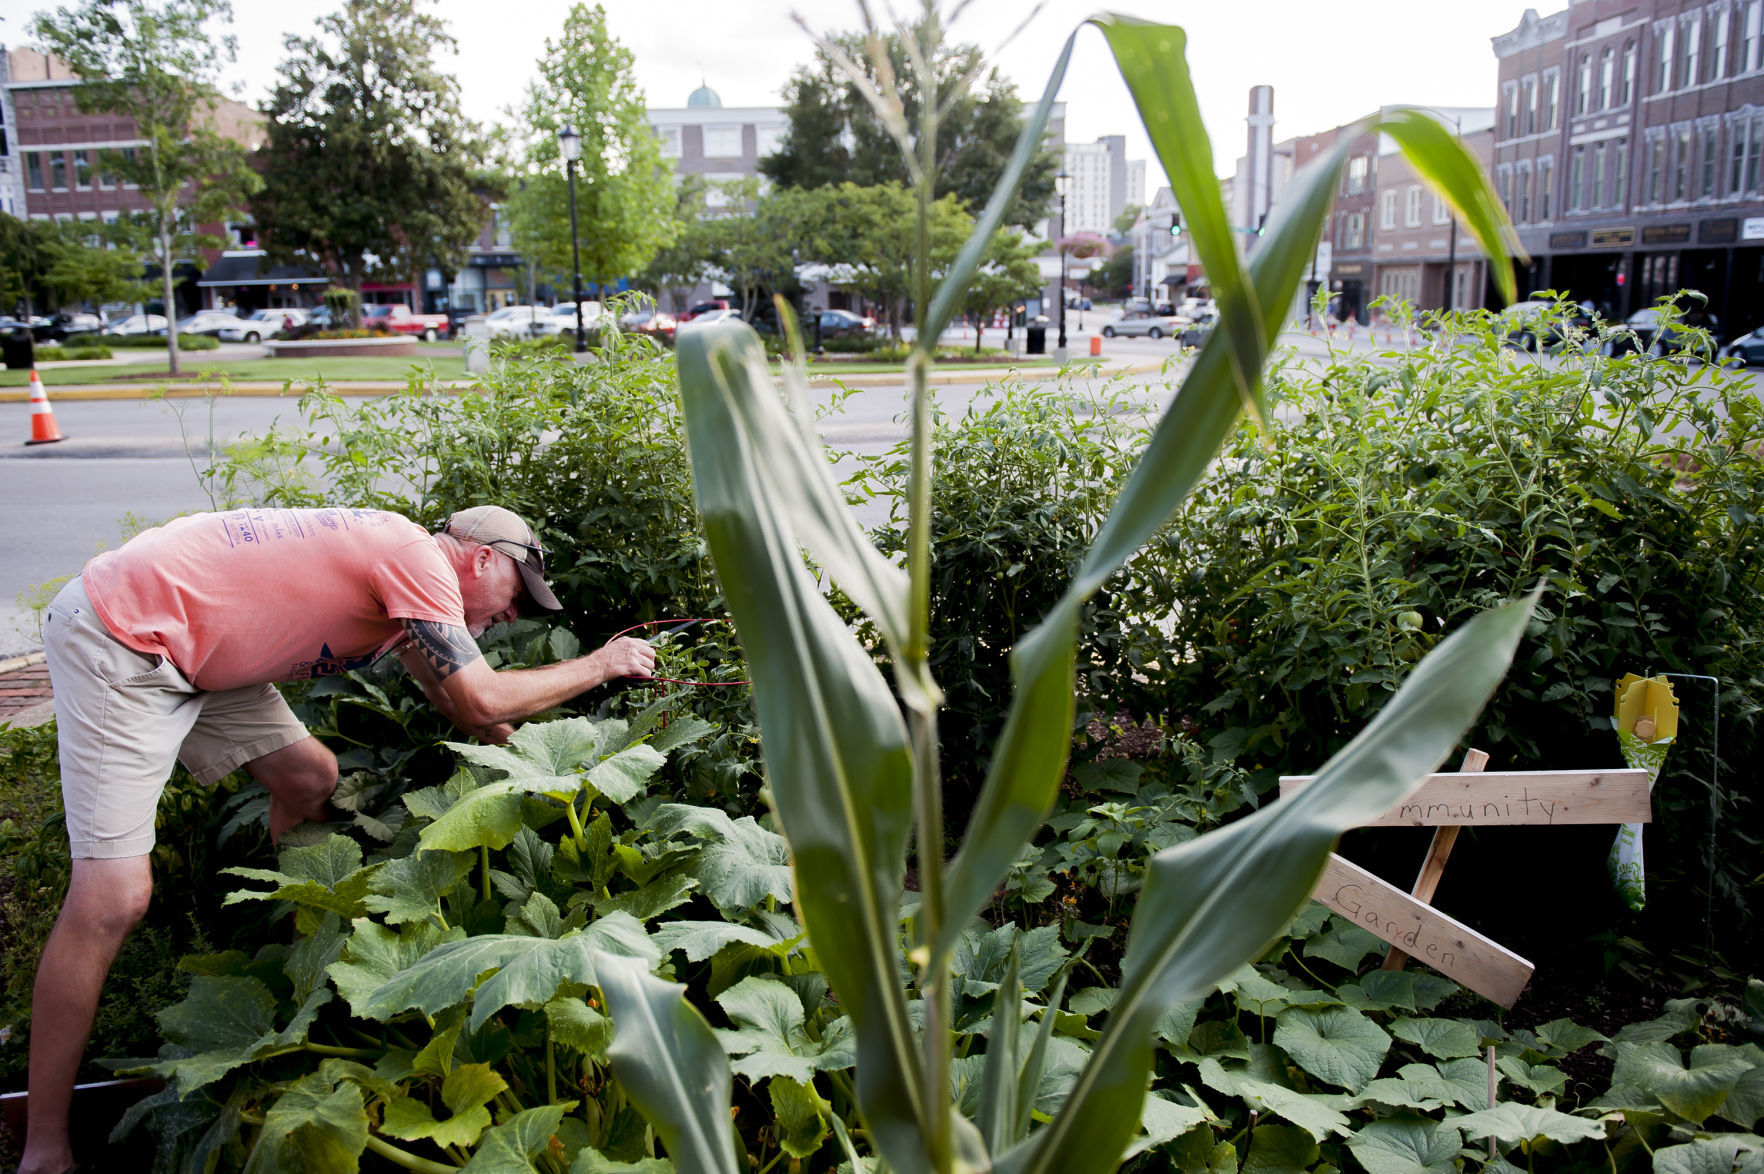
(58, 172)
(1530, 105)
(1752, 50)
(1387, 210)
(669, 138)
(722, 142)
(1663, 74)
(1512, 112)
(1718, 47)
(1552, 91)
(34, 171)
(1524, 215)
(1576, 177)
(1748, 136)
(1358, 167)
(1693, 37)
(1583, 91)
(1681, 149)
(1545, 170)
(1620, 175)
(1412, 206)
(106, 177)
(1353, 230)
(1656, 160)
(1607, 74)
(1597, 199)
(82, 170)
(767, 140)
(1442, 211)
(1709, 156)
(1628, 90)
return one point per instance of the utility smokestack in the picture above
(1260, 155)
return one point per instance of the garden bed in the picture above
(397, 346)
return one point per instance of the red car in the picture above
(705, 308)
(652, 322)
(398, 318)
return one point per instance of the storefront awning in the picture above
(250, 268)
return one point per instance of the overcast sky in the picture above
(1328, 63)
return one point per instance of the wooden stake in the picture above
(1434, 866)
(1492, 1079)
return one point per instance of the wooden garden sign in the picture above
(1468, 798)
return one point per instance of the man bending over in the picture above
(167, 649)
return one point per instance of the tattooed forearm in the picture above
(446, 648)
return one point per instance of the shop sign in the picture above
(1666, 234)
(1605, 238)
(1348, 270)
(494, 260)
(1567, 240)
(1718, 232)
(1752, 228)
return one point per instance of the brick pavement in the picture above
(24, 690)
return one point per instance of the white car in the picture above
(138, 324)
(261, 324)
(561, 318)
(513, 321)
(1140, 322)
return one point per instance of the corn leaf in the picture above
(671, 1064)
(836, 752)
(1213, 901)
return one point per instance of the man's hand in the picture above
(623, 656)
(496, 735)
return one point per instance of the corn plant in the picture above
(853, 765)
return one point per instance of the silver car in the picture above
(1146, 324)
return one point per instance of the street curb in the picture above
(12, 664)
(362, 388)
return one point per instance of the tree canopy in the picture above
(156, 64)
(623, 185)
(835, 137)
(368, 167)
(864, 233)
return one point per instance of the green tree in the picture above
(1007, 273)
(866, 234)
(156, 64)
(623, 185)
(369, 165)
(754, 247)
(1115, 278)
(24, 264)
(1128, 218)
(835, 136)
(85, 265)
(679, 266)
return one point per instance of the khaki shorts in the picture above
(123, 717)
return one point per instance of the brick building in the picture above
(1627, 151)
(1416, 240)
(56, 148)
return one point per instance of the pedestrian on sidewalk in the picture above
(167, 649)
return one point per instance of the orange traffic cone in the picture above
(43, 427)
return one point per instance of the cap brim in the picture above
(538, 588)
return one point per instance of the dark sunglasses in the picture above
(537, 559)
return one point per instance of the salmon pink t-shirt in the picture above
(251, 596)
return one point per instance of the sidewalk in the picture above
(25, 699)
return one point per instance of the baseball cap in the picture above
(500, 529)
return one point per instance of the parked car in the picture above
(513, 321)
(1649, 338)
(655, 323)
(262, 324)
(1745, 351)
(1143, 323)
(80, 323)
(845, 324)
(1077, 302)
(1537, 323)
(207, 322)
(561, 318)
(715, 315)
(704, 308)
(401, 319)
(138, 324)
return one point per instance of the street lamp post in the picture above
(1061, 182)
(570, 143)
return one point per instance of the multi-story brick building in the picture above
(1416, 241)
(57, 148)
(1627, 151)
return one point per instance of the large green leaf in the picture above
(312, 1128)
(413, 888)
(836, 748)
(1210, 902)
(699, 940)
(528, 970)
(1712, 1155)
(375, 955)
(1512, 1123)
(769, 1036)
(741, 863)
(1693, 1091)
(327, 875)
(465, 1092)
(800, 1116)
(1335, 1044)
(511, 1147)
(1445, 1039)
(668, 1060)
(1407, 1145)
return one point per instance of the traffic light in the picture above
(1176, 225)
